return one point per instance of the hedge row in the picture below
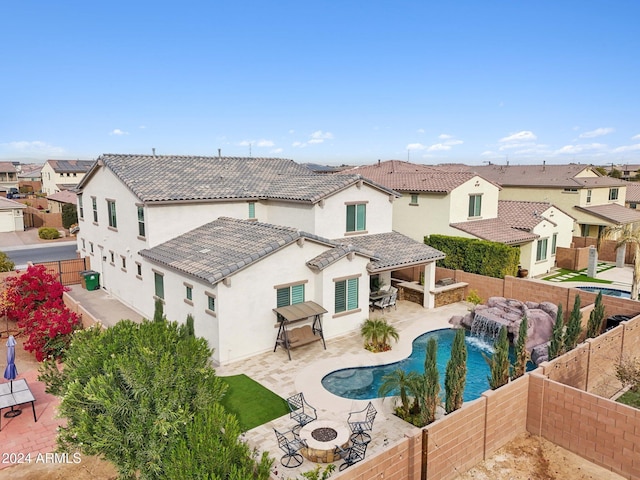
(471, 255)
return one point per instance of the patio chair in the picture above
(352, 454)
(290, 444)
(392, 301)
(361, 422)
(383, 302)
(301, 412)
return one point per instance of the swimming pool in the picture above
(362, 383)
(607, 291)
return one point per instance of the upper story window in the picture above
(211, 303)
(346, 295)
(188, 292)
(475, 205)
(613, 193)
(570, 190)
(252, 209)
(541, 252)
(357, 217)
(554, 243)
(111, 209)
(141, 226)
(289, 295)
(94, 206)
(414, 199)
(589, 196)
(158, 279)
(80, 207)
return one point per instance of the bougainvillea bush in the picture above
(34, 300)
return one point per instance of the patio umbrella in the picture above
(11, 372)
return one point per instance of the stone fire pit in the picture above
(321, 437)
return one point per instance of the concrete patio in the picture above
(311, 363)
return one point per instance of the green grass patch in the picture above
(251, 403)
(582, 277)
(630, 398)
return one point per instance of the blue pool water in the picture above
(362, 383)
(607, 291)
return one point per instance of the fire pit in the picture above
(321, 437)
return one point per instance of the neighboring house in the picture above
(29, 177)
(8, 176)
(627, 171)
(58, 175)
(594, 201)
(55, 201)
(632, 197)
(228, 240)
(457, 202)
(11, 215)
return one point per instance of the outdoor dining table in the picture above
(379, 295)
(16, 393)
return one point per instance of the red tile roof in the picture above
(495, 230)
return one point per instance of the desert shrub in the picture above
(48, 233)
(6, 265)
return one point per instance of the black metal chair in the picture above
(361, 422)
(352, 454)
(290, 444)
(301, 412)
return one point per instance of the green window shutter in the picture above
(361, 221)
(352, 294)
(252, 209)
(351, 218)
(478, 205)
(341, 296)
(297, 294)
(189, 293)
(211, 303)
(283, 297)
(554, 242)
(159, 284)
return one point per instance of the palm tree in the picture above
(402, 382)
(387, 332)
(627, 234)
(377, 333)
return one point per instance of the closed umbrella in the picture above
(11, 372)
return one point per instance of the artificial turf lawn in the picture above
(582, 277)
(251, 403)
(630, 398)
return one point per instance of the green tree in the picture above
(210, 450)
(556, 344)
(158, 311)
(615, 173)
(431, 392)
(574, 326)
(191, 331)
(596, 318)
(377, 333)
(456, 373)
(401, 382)
(627, 235)
(130, 391)
(69, 214)
(521, 352)
(499, 362)
(6, 265)
(601, 170)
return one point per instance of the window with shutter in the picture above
(341, 296)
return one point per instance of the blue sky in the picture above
(327, 81)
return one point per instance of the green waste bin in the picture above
(91, 279)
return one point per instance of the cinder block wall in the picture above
(506, 414)
(570, 368)
(604, 355)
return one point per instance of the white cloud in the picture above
(291, 132)
(627, 148)
(299, 144)
(420, 130)
(636, 137)
(264, 143)
(35, 147)
(277, 150)
(523, 136)
(573, 149)
(416, 146)
(245, 143)
(319, 136)
(445, 136)
(598, 132)
(488, 153)
(438, 147)
(118, 132)
(142, 127)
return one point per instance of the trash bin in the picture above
(91, 279)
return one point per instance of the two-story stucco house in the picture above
(58, 175)
(8, 176)
(228, 240)
(462, 203)
(593, 200)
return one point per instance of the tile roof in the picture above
(411, 177)
(563, 176)
(495, 230)
(331, 256)
(6, 203)
(613, 213)
(523, 215)
(220, 248)
(71, 166)
(178, 178)
(63, 196)
(392, 250)
(633, 193)
(7, 167)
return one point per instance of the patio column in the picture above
(429, 284)
(620, 255)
